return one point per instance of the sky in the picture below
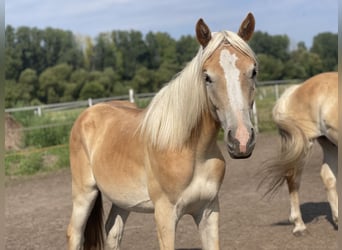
(300, 20)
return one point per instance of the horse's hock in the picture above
(13, 134)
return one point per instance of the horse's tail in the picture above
(93, 233)
(295, 146)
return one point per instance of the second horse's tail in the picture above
(292, 156)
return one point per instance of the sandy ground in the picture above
(38, 210)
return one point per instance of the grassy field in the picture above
(45, 138)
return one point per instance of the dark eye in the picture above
(207, 78)
(254, 73)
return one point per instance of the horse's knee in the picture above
(328, 177)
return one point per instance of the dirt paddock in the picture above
(38, 210)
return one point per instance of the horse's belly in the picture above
(133, 202)
(130, 194)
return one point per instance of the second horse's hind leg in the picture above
(293, 183)
(115, 226)
(329, 173)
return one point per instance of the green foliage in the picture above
(32, 162)
(325, 46)
(270, 68)
(47, 130)
(277, 62)
(276, 46)
(52, 65)
(92, 90)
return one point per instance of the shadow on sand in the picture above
(311, 211)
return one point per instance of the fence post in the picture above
(39, 111)
(131, 95)
(276, 91)
(90, 102)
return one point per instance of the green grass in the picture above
(33, 161)
(52, 128)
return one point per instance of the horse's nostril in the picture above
(233, 144)
(230, 137)
(252, 138)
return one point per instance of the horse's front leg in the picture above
(166, 220)
(207, 221)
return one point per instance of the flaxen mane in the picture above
(167, 124)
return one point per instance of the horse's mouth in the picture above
(239, 155)
(235, 153)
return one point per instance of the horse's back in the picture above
(93, 121)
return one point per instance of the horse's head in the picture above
(229, 75)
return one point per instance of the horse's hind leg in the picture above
(115, 226)
(293, 183)
(329, 173)
(84, 194)
(83, 202)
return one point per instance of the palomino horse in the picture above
(165, 159)
(304, 113)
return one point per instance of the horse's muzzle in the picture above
(237, 147)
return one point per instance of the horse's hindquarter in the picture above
(116, 155)
(317, 101)
(312, 105)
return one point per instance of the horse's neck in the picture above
(205, 134)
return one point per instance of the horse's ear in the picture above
(203, 33)
(247, 27)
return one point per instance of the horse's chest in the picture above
(204, 186)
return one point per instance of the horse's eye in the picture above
(207, 78)
(254, 73)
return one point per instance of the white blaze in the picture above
(232, 74)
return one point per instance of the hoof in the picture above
(336, 220)
(299, 233)
(299, 230)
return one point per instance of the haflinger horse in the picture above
(165, 159)
(303, 114)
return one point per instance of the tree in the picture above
(61, 47)
(79, 77)
(186, 49)
(13, 63)
(92, 90)
(271, 68)
(133, 52)
(29, 79)
(302, 63)
(88, 53)
(16, 94)
(53, 81)
(142, 80)
(104, 53)
(276, 46)
(325, 45)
